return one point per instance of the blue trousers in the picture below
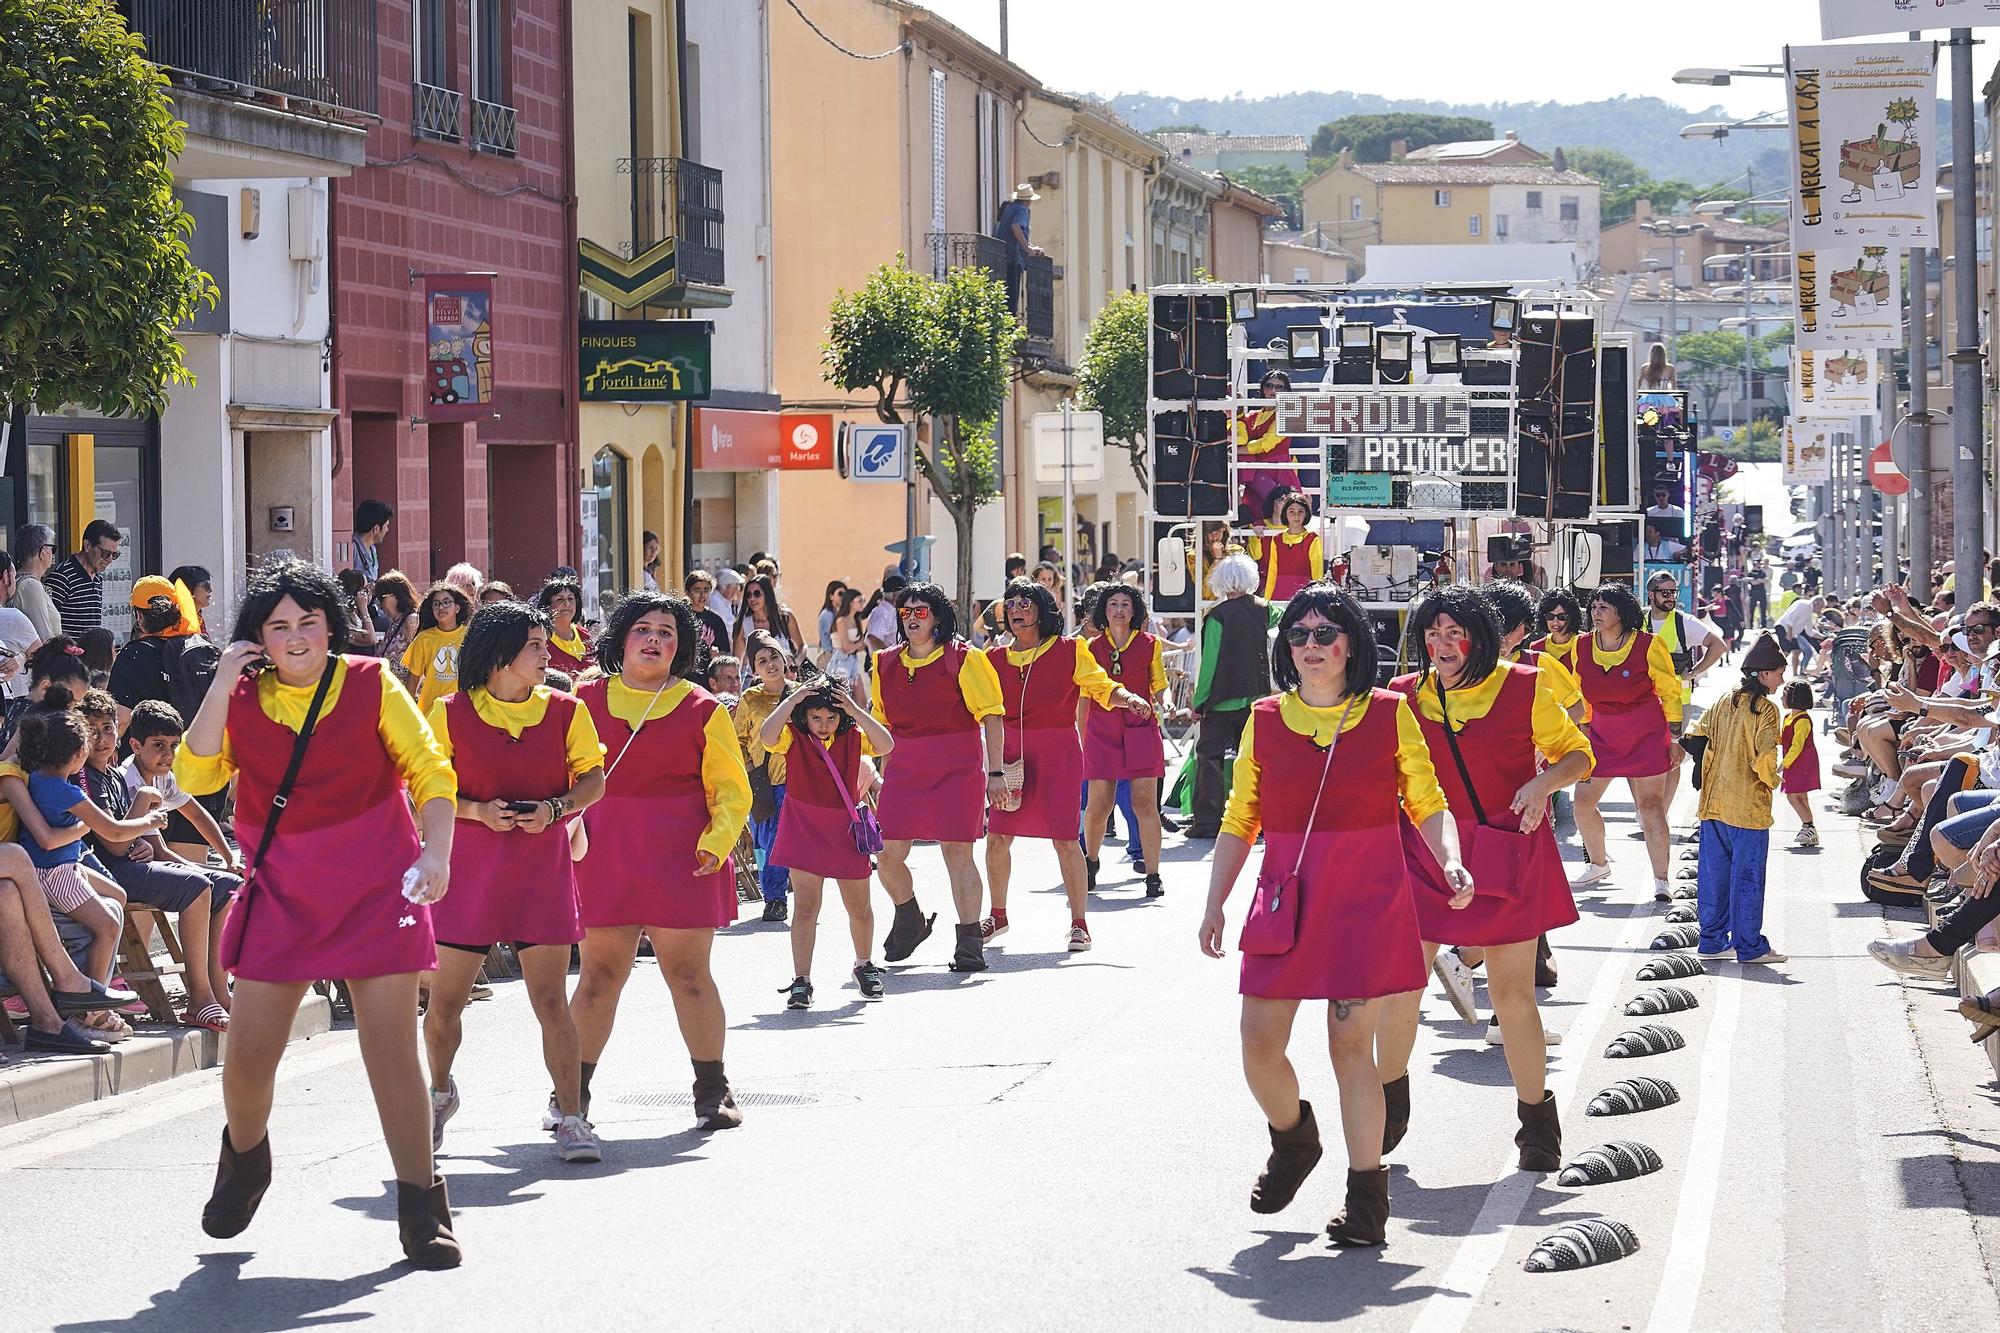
(1122, 794)
(774, 880)
(1731, 888)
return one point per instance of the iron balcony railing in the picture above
(1035, 297)
(493, 127)
(434, 112)
(672, 196)
(316, 51)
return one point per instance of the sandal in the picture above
(107, 1026)
(211, 1016)
(1984, 1011)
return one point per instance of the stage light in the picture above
(1308, 344)
(1393, 348)
(1357, 338)
(1243, 304)
(1506, 314)
(1442, 355)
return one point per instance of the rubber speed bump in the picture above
(1582, 1245)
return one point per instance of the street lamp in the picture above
(1719, 78)
(1669, 228)
(1718, 129)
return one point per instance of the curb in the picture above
(29, 1091)
(1979, 973)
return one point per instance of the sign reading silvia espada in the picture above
(1864, 130)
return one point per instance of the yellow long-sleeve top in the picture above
(1797, 732)
(1739, 769)
(10, 820)
(978, 682)
(752, 707)
(783, 745)
(1256, 431)
(1315, 557)
(723, 777)
(1556, 736)
(1557, 678)
(1156, 675)
(1659, 666)
(1416, 779)
(432, 659)
(585, 751)
(1092, 681)
(412, 746)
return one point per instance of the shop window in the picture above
(607, 529)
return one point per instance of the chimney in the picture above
(1346, 158)
(1642, 209)
(1561, 163)
(1513, 136)
(1398, 149)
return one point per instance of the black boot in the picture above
(1540, 1137)
(714, 1104)
(240, 1181)
(1294, 1153)
(970, 955)
(1090, 873)
(1154, 888)
(423, 1217)
(1545, 965)
(1396, 1103)
(910, 929)
(1364, 1218)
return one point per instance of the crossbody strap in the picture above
(826, 755)
(1332, 744)
(644, 718)
(1451, 738)
(283, 796)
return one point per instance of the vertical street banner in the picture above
(1869, 18)
(1808, 454)
(458, 346)
(1848, 297)
(1842, 382)
(1864, 136)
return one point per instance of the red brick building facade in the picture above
(469, 171)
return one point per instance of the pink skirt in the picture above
(640, 868)
(1052, 786)
(934, 789)
(1629, 742)
(1118, 747)
(1357, 932)
(1541, 901)
(1801, 778)
(509, 886)
(815, 839)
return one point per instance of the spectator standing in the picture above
(371, 527)
(432, 657)
(34, 552)
(726, 598)
(201, 587)
(156, 664)
(1012, 227)
(878, 620)
(18, 635)
(1235, 673)
(649, 571)
(713, 627)
(77, 584)
(396, 602)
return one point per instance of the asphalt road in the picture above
(1066, 1142)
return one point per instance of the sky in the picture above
(1426, 50)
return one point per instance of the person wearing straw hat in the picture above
(1012, 227)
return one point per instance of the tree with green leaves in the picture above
(1711, 361)
(1624, 183)
(94, 267)
(943, 350)
(1281, 183)
(1112, 376)
(1181, 129)
(1370, 137)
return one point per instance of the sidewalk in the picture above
(34, 1084)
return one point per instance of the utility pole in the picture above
(1916, 452)
(1968, 471)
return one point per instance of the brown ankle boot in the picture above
(240, 1181)
(423, 1217)
(1540, 1137)
(1364, 1219)
(1396, 1104)
(1294, 1153)
(714, 1104)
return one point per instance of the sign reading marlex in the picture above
(643, 360)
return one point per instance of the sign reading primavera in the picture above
(643, 360)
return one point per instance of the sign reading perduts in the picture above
(643, 360)
(458, 346)
(1438, 449)
(1864, 130)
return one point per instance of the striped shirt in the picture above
(78, 595)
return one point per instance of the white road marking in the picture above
(116, 1117)
(1479, 1253)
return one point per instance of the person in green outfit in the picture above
(1235, 673)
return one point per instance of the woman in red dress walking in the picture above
(342, 889)
(940, 698)
(676, 798)
(1120, 745)
(1333, 917)
(570, 650)
(1043, 674)
(1517, 748)
(1633, 695)
(528, 760)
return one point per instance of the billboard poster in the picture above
(1864, 135)
(1847, 298)
(1846, 382)
(1869, 18)
(458, 346)
(1808, 452)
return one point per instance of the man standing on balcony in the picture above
(1012, 227)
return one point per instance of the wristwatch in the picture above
(996, 772)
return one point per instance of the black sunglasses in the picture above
(1323, 635)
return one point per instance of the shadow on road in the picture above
(1322, 1286)
(218, 1298)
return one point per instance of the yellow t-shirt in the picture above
(584, 750)
(432, 658)
(10, 819)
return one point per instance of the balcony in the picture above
(493, 128)
(434, 112)
(674, 197)
(1035, 303)
(317, 52)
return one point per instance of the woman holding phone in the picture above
(343, 889)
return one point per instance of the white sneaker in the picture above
(576, 1140)
(1882, 790)
(1807, 836)
(1550, 1037)
(1850, 771)
(1457, 979)
(444, 1105)
(1902, 956)
(1592, 873)
(552, 1116)
(1661, 893)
